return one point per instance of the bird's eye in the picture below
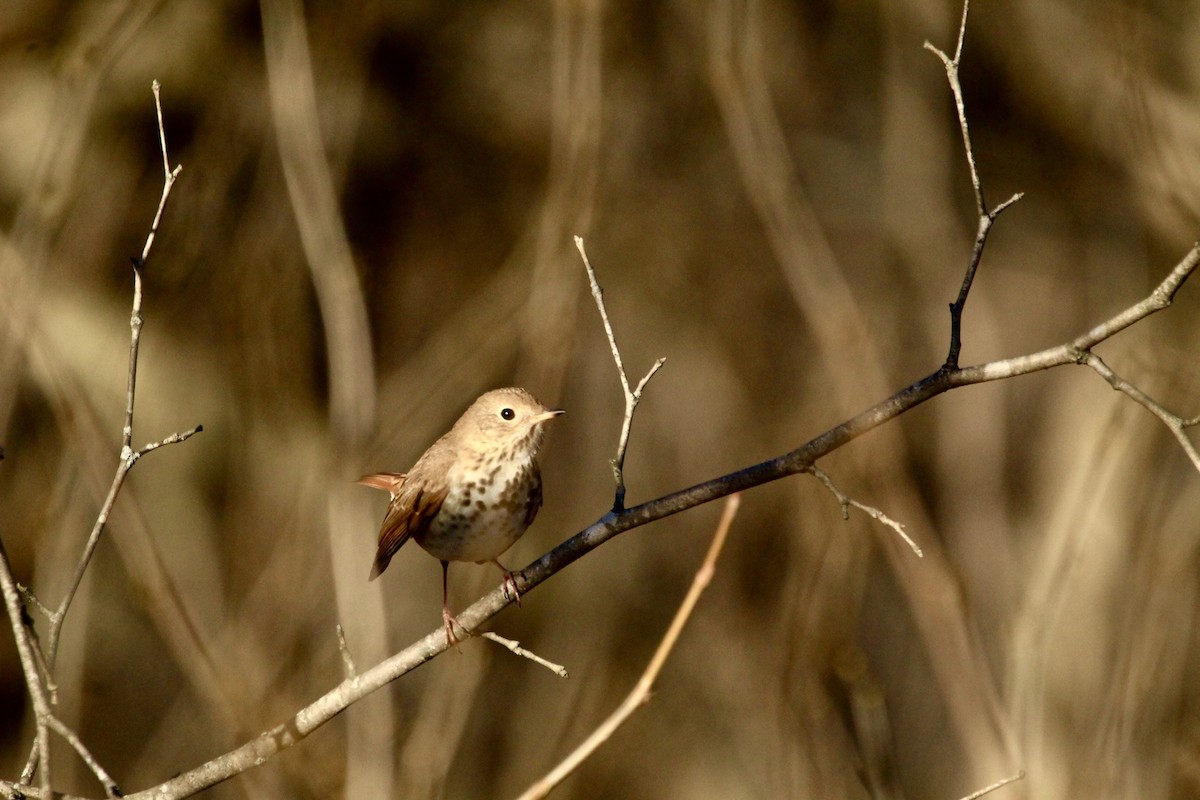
(507, 413)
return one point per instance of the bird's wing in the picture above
(534, 501)
(410, 512)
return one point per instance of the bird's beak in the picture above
(545, 415)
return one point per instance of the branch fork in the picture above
(632, 396)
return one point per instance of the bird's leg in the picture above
(510, 583)
(448, 619)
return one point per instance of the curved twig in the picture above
(640, 694)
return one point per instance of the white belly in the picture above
(482, 516)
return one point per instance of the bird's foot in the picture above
(510, 584)
(448, 622)
(510, 588)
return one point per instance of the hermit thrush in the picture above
(473, 492)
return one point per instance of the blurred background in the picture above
(373, 225)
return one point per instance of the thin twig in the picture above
(18, 619)
(1176, 424)
(28, 598)
(31, 599)
(174, 438)
(632, 397)
(515, 647)
(874, 513)
(110, 786)
(128, 456)
(951, 65)
(641, 691)
(989, 789)
(169, 174)
(986, 217)
(39, 655)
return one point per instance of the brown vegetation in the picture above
(776, 199)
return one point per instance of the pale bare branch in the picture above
(641, 691)
(993, 787)
(515, 647)
(847, 502)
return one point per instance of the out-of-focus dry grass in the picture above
(776, 200)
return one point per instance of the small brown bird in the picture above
(473, 492)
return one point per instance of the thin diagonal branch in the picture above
(110, 786)
(174, 438)
(993, 787)
(874, 513)
(1175, 424)
(632, 396)
(19, 621)
(515, 648)
(640, 694)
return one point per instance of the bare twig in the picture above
(128, 455)
(110, 786)
(632, 397)
(29, 667)
(951, 65)
(986, 217)
(1176, 424)
(989, 789)
(44, 660)
(174, 438)
(169, 175)
(641, 691)
(516, 648)
(39, 656)
(874, 513)
(30, 599)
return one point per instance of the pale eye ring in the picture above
(507, 413)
